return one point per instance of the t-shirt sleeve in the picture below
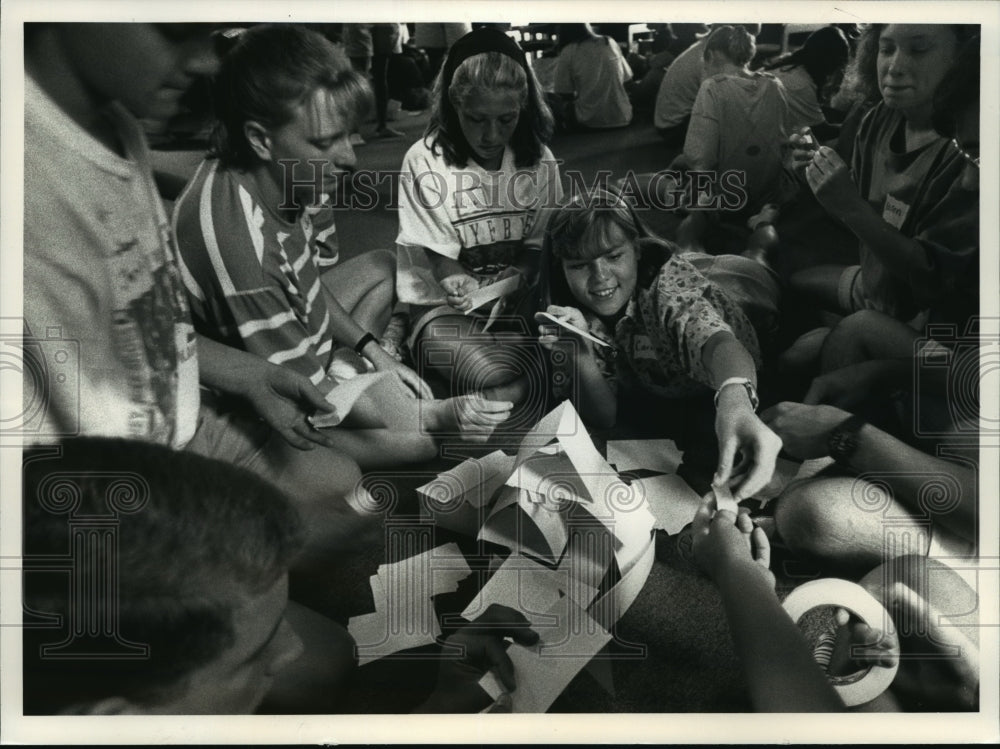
(701, 145)
(949, 233)
(423, 218)
(243, 288)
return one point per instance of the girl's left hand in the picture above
(414, 382)
(740, 430)
(829, 177)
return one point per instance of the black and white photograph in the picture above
(447, 372)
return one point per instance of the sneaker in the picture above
(357, 140)
(394, 337)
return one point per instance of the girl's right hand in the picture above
(804, 146)
(458, 287)
(549, 339)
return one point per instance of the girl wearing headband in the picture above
(470, 200)
(675, 327)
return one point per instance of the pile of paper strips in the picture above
(580, 541)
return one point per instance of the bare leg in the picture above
(820, 284)
(365, 287)
(477, 362)
(849, 523)
(867, 335)
(325, 487)
(803, 356)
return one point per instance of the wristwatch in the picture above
(843, 440)
(748, 386)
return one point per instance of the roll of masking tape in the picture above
(867, 684)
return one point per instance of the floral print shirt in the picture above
(657, 343)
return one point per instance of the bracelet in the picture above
(747, 385)
(364, 341)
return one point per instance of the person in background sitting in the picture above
(807, 74)
(679, 89)
(591, 72)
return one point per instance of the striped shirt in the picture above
(253, 278)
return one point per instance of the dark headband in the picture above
(477, 42)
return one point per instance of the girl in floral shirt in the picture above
(669, 327)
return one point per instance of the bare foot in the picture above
(473, 417)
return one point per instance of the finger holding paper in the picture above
(342, 399)
(457, 288)
(477, 416)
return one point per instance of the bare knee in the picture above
(382, 264)
(850, 342)
(804, 354)
(472, 363)
(819, 518)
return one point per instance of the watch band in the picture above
(364, 341)
(747, 385)
(843, 439)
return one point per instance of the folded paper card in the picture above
(561, 422)
(552, 475)
(563, 425)
(524, 523)
(610, 607)
(343, 397)
(626, 515)
(376, 637)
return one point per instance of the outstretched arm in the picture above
(736, 424)
(779, 667)
(805, 431)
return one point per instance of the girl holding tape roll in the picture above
(671, 329)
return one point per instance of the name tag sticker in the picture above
(894, 212)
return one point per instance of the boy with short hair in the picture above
(177, 597)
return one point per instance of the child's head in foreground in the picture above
(595, 247)
(183, 563)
